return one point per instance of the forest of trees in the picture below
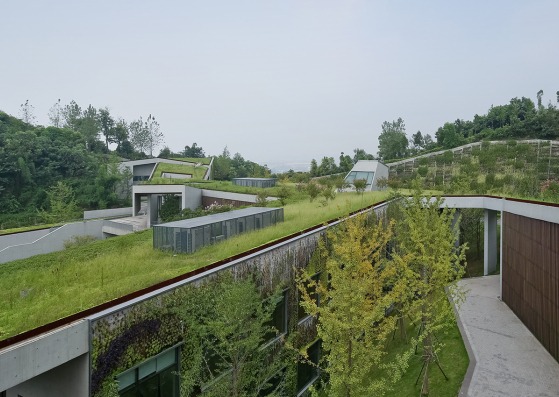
(519, 119)
(81, 149)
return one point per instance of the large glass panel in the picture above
(146, 369)
(126, 379)
(168, 382)
(165, 360)
(149, 387)
(279, 318)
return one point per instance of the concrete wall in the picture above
(382, 172)
(21, 363)
(53, 241)
(108, 213)
(143, 169)
(67, 380)
(7, 240)
(247, 198)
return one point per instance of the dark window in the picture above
(274, 384)
(153, 378)
(279, 318)
(307, 372)
(311, 289)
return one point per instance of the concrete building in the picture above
(77, 355)
(368, 170)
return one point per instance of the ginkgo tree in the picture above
(352, 308)
(426, 247)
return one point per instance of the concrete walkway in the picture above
(505, 358)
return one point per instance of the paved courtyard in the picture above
(509, 360)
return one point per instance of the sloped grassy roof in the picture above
(44, 288)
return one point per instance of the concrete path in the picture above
(505, 358)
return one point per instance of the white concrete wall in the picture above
(67, 380)
(53, 241)
(249, 198)
(27, 360)
(108, 213)
(7, 240)
(381, 172)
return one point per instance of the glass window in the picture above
(153, 378)
(279, 318)
(307, 372)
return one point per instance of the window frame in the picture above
(135, 369)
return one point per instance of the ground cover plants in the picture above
(44, 288)
(197, 172)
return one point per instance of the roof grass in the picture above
(195, 160)
(44, 288)
(197, 172)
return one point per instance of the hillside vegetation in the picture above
(528, 169)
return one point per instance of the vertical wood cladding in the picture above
(531, 276)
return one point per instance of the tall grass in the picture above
(41, 289)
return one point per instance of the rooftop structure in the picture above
(255, 182)
(70, 354)
(191, 234)
(368, 170)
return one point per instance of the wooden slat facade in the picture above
(531, 276)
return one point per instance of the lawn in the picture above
(454, 362)
(196, 172)
(44, 288)
(195, 160)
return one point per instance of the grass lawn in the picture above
(44, 288)
(454, 362)
(27, 228)
(196, 172)
(453, 358)
(195, 160)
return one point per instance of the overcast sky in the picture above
(280, 81)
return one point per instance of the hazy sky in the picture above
(278, 81)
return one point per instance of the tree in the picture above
(539, 96)
(107, 125)
(418, 141)
(327, 166)
(194, 151)
(360, 185)
(139, 136)
(88, 126)
(426, 237)
(234, 330)
(62, 204)
(448, 137)
(27, 112)
(350, 309)
(119, 133)
(361, 154)
(346, 163)
(393, 142)
(71, 115)
(154, 135)
(314, 168)
(55, 115)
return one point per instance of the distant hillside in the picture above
(527, 168)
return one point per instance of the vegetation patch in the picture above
(75, 279)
